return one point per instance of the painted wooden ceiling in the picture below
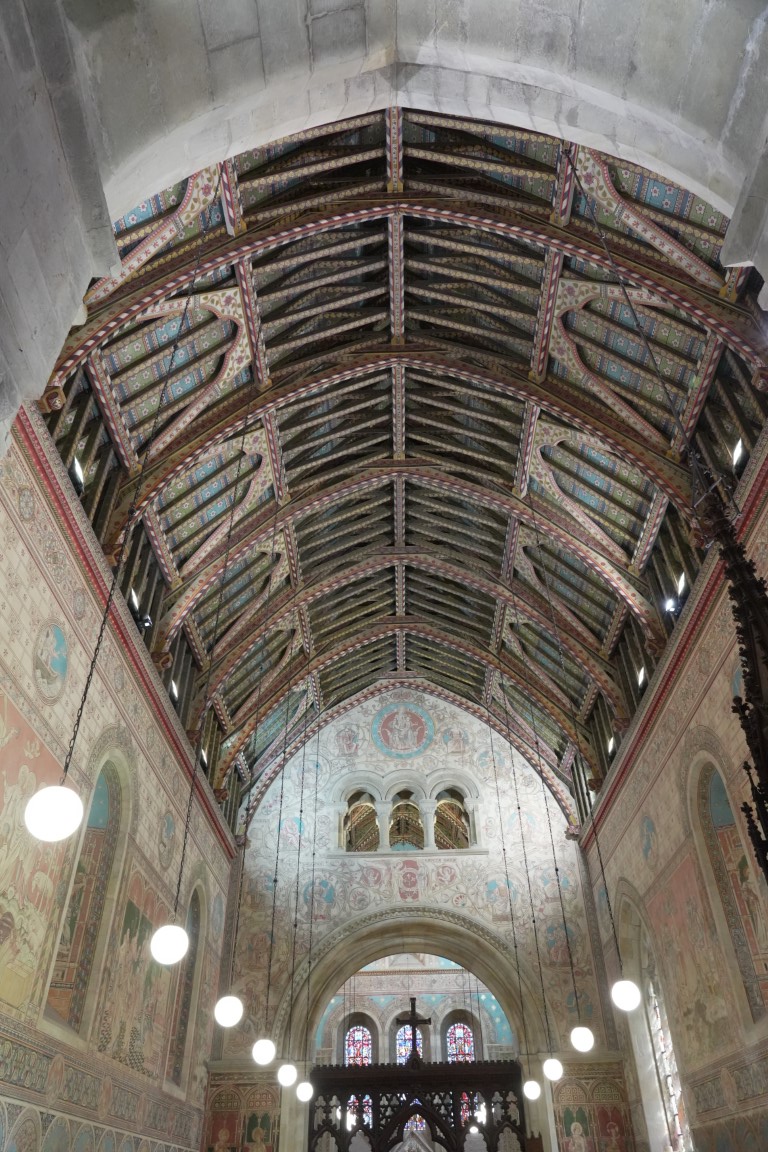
(397, 345)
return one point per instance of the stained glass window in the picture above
(666, 1069)
(358, 1045)
(352, 1112)
(460, 1044)
(416, 1123)
(403, 1043)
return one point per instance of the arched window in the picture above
(740, 894)
(403, 1043)
(82, 920)
(459, 1044)
(651, 1039)
(184, 992)
(361, 828)
(451, 821)
(406, 830)
(666, 1067)
(358, 1045)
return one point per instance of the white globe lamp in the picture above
(169, 944)
(53, 813)
(263, 1051)
(553, 1069)
(228, 1011)
(532, 1089)
(305, 1091)
(625, 995)
(582, 1038)
(286, 1074)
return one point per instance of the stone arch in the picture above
(357, 782)
(26, 1133)
(111, 764)
(416, 929)
(181, 1030)
(457, 778)
(544, 83)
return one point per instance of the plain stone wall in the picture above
(180, 83)
(55, 231)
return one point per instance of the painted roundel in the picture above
(402, 730)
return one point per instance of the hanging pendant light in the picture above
(582, 1038)
(305, 1089)
(169, 944)
(531, 1087)
(287, 1074)
(55, 811)
(626, 995)
(264, 1051)
(552, 1068)
(228, 1011)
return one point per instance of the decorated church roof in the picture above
(403, 348)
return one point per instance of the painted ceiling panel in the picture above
(399, 346)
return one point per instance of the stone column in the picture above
(474, 814)
(427, 808)
(340, 811)
(383, 817)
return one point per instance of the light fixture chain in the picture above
(509, 887)
(277, 869)
(312, 887)
(530, 888)
(298, 862)
(576, 728)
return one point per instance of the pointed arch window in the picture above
(666, 1068)
(72, 971)
(403, 1043)
(459, 1044)
(184, 994)
(358, 1045)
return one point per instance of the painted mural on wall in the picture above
(401, 737)
(85, 907)
(697, 999)
(242, 1116)
(591, 1110)
(52, 897)
(29, 870)
(742, 894)
(133, 1024)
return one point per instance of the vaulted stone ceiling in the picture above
(398, 345)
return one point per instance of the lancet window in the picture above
(459, 1043)
(666, 1069)
(358, 1045)
(403, 1043)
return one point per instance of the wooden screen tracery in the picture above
(387, 1101)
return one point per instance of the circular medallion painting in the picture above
(402, 730)
(49, 661)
